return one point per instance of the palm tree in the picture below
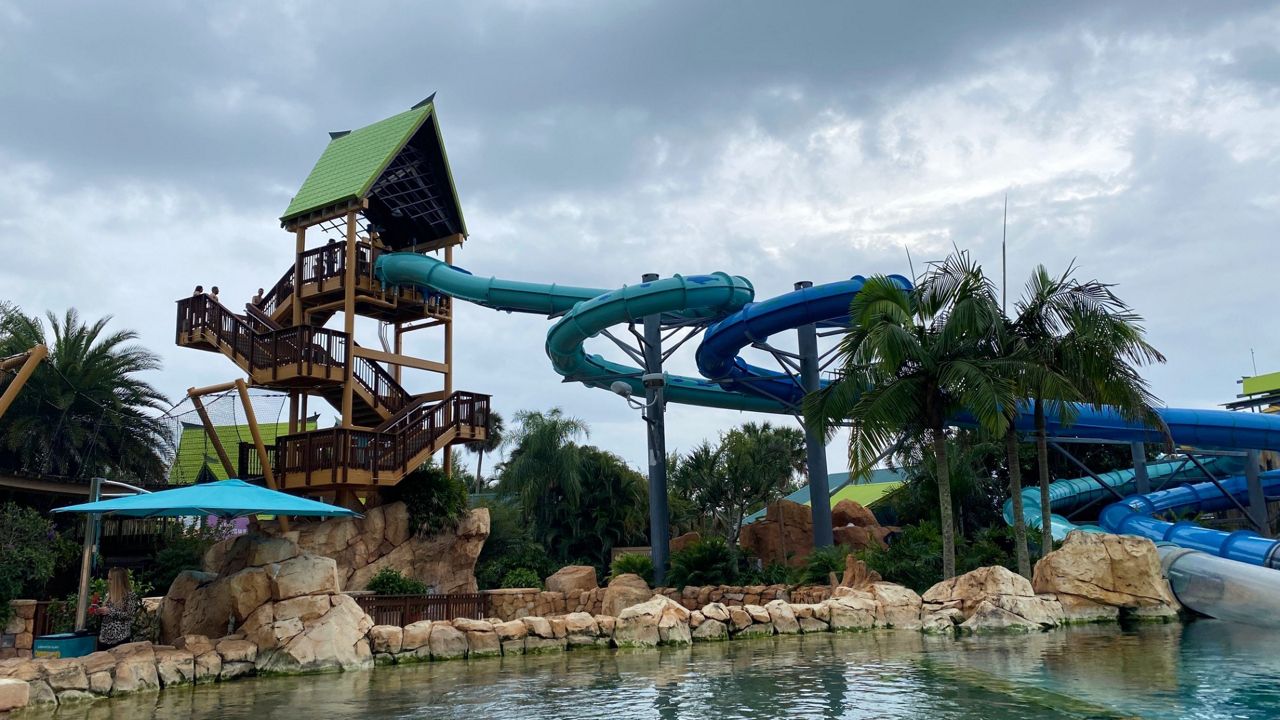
(545, 459)
(495, 428)
(911, 360)
(84, 411)
(1081, 344)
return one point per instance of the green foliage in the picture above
(28, 554)
(522, 578)
(914, 557)
(510, 545)
(703, 562)
(185, 551)
(84, 411)
(977, 474)
(62, 613)
(714, 487)
(775, 573)
(634, 563)
(389, 581)
(435, 501)
(578, 501)
(824, 561)
(495, 437)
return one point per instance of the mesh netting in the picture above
(195, 459)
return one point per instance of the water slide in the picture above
(737, 322)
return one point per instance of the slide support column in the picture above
(1257, 499)
(815, 445)
(659, 532)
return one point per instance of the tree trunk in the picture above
(1042, 459)
(944, 504)
(479, 481)
(1015, 494)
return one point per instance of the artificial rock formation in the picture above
(1094, 571)
(572, 577)
(362, 546)
(991, 598)
(785, 534)
(624, 591)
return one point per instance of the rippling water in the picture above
(1204, 670)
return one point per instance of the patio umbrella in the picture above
(224, 499)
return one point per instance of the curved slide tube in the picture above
(1077, 492)
(1133, 516)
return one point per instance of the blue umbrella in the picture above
(224, 499)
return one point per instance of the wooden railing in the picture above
(388, 450)
(248, 465)
(401, 610)
(306, 347)
(380, 384)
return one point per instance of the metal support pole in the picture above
(90, 548)
(655, 400)
(1141, 481)
(815, 445)
(1257, 499)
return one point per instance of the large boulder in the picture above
(1117, 570)
(637, 625)
(681, 542)
(851, 611)
(305, 575)
(999, 593)
(857, 574)
(785, 534)
(572, 577)
(848, 512)
(896, 606)
(782, 617)
(333, 641)
(622, 592)
(14, 694)
(971, 588)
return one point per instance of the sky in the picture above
(150, 146)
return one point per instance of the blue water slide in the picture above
(1074, 493)
(1133, 516)
(717, 354)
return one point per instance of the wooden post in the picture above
(447, 463)
(399, 351)
(214, 440)
(34, 356)
(349, 319)
(293, 411)
(300, 247)
(252, 420)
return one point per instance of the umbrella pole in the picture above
(91, 522)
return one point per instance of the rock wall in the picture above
(21, 626)
(785, 534)
(305, 625)
(381, 539)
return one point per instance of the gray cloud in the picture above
(147, 149)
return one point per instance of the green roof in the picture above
(196, 454)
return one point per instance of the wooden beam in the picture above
(399, 350)
(401, 360)
(299, 247)
(422, 326)
(34, 357)
(210, 389)
(447, 463)
(349, 318)
(252, 420)
(212, 434)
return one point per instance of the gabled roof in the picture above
(397, 164)
(196, 456)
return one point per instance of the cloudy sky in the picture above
(147, 147)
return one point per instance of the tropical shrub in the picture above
(435, 501)
(510, 545)
(914, 557)
(28, 553)
(775, 573)
(184, 551)
(634, 563)
(389, 581)
(522, 578)
(824, 561)
(704, 562)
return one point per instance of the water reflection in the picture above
(1207, 669)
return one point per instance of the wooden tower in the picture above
(383, 188)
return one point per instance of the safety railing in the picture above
(402, 610)
(327, 456)
(305, 347)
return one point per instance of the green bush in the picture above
(775, 573)
(28, 554)
(184, 552)
(704, 562)
(914, 557)
(522, 578)
(634, 563)
(435, 501)
(824, 561)
(389, 581)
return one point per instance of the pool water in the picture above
(1206, 669)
